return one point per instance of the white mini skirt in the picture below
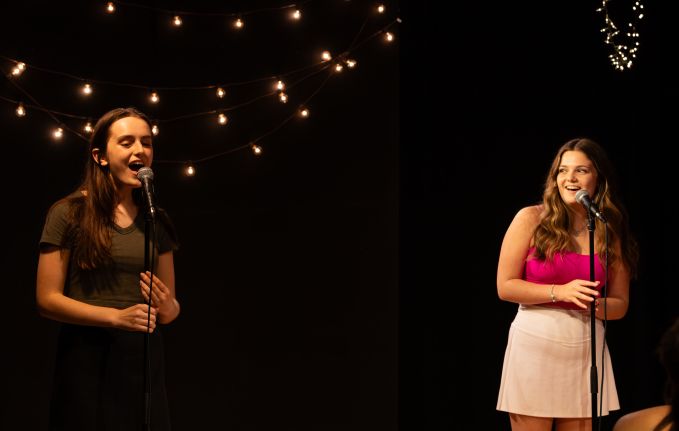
(546, 371)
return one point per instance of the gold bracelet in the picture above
(551, 293)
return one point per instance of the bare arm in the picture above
(53, 304)
(617, 300)
(510, 285)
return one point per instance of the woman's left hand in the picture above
(161, 295)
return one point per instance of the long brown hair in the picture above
(91, 211)
(551, 235)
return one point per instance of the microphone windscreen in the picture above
(581, 196)
(145, 173)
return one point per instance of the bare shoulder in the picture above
(642, 420)
(528, 217)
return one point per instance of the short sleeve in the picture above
(55, 226)
(166, 241)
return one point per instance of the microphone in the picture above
(145, 175)
(583, 198)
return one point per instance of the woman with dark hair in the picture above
(660, 418)
(544, 267)
(91, 278)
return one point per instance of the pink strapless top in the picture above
(565, 267)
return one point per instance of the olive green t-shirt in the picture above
(116, 284)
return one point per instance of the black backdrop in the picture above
(382, 216)
(506, 83)
(287, 269)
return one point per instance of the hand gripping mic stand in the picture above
(149, 260)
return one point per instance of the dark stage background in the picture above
(287, 271)
(506, 83)
(345, 279)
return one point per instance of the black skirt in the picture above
(99, 381)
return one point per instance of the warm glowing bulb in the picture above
(18, 69)
(223, 119)
(380, 8)
(110, 7)
(177, 21)
(155, 130)
(190, 170)
(87, 89)
(351, 63)
(256, 149)
(283, 97)
(220, 92)
(58, 133)
(238, 23)
(326, 55)
(280, 85)
(296, 14)
(154, 97)
(388, 36)
(304, 112)
(21, 111)
(338, 67)
(88, 127)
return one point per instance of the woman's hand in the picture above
(162, 298)
(135, 318)
(577, 291)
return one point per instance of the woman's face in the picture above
(576, 172)
(129, 147)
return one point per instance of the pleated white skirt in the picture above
(546, 371)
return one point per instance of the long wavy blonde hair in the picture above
(551, 235)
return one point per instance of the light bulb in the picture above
(223, 119)
(20, 111)
(110, 7)
(154, 97)
(220, 92)
(58, 133)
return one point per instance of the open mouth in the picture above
(572, 188)
(135, 166)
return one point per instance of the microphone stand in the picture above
(149, 258)
(593, 371)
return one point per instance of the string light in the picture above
(87, 89)
(190, 170)
(296, 14)
(110, 7)
(18, 69)
(381, 8)
(388, 36)
(20, 111)
(624, 52)
(238, 24)
(177, 21)
(301, 111)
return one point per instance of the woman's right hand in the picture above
(577, 292)
(135, 318)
